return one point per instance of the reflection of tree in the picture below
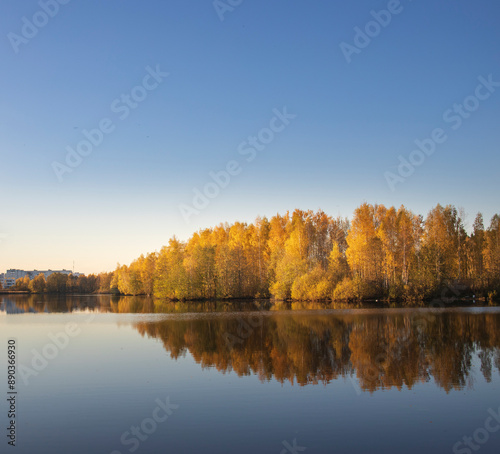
(383, 350)
(124, 304)
(57, 303)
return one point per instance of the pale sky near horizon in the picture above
(349, 121)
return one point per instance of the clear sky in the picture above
(355, 112)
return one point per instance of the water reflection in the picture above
(53, 303)
(288, 342)
(17, 304)
(381, 350)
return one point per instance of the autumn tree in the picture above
(228, 282)
(364, 252)
(105, 282)
(171, 279)
(474, 248)
(122, 280)
(278, 226)
(56, 283)
(492, 253)
(147, 272)
(37, 284)
(293, 263)
(22, 284)
(442, 246)
(306, 255)
(258, 257)
(399, 232)
(199, 263)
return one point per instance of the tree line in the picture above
(305, 255)
(65, 283)
(381, 253)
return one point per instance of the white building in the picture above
(9, 278)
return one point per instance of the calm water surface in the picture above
(119, 375)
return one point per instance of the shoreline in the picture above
(381, 302)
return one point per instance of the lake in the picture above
(101, 374)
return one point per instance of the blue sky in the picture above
(353, 119)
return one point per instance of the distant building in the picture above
(9, 278)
